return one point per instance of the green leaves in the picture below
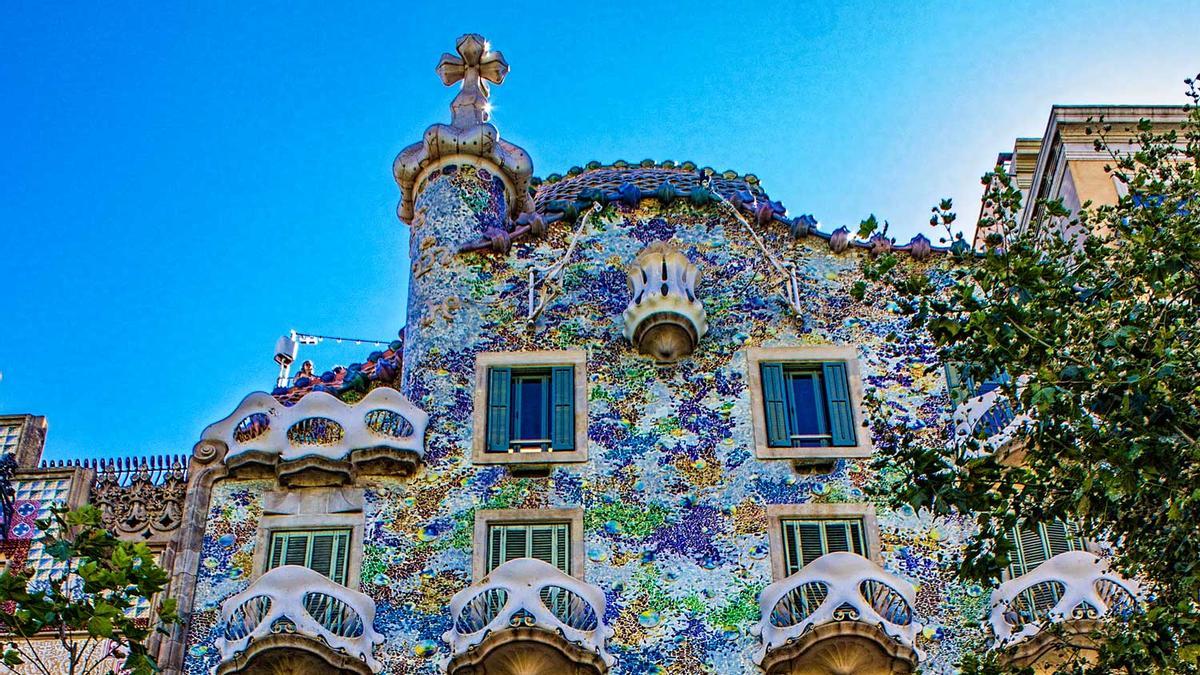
(1101, 331)
(102, 581)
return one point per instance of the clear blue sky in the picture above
(180, 183)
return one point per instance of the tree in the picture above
(1096, 317)
(87, 605)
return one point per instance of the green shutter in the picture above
(812, 542)
(321, 559)
(323, 551)
(837, 397)
(562, 420)
(791, 548)
(774, 405)
(495, 547)
(954, 384)
(499, 389)
(806, 540)
(276, 560)
(296, 549)
(548, 542)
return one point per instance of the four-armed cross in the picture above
(474, 64)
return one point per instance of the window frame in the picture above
(485, 361)
(814, 355)
(304, 518)
(778, 513)
(486, 518)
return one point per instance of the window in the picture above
(801, 533)
(805, 402)
(1035, 543)
(554, 536)
(806, 540)
(324, 551)
(548, 542)
(530, 408)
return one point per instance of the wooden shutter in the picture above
(1062, 537)
(792, 561)
(516, 542)
(774, 405)
(562, 401)
(857, 541)
(837, 397)
(499, 390)
(549, 543)
(321, 559)
(1031, 549)
(277, 545)
(495, 547)
(812, 541)
(295, 549)
(326, 552)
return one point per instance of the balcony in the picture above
(1074, 588)
(989, 419)
(320, 440)
(295, 620)
(526, 616)
(839, 614)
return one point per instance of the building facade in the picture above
(624, 431)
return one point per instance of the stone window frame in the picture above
(486, 360)
(847, 354)
(271, 523)
(485, 518)
(777, 513)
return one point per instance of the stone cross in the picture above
(475, 63)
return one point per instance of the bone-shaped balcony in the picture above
(528, 612)
(840, 613)
(989, 420)
(292, 615)
(321, 440)
(1075, 587)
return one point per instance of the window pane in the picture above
(807, 416)
(530, 407)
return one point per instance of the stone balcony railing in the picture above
(1071, 586)
(837, 595)
(532, 601)
(293, 608)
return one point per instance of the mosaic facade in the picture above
(674, 499)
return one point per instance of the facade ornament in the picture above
(664, 318)
(143, 498)
(469, 138)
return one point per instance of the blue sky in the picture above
(181, 183)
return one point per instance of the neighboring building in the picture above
(623, 432)
(1065, 163)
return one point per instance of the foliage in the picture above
(1096, 316)
(87, 605)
